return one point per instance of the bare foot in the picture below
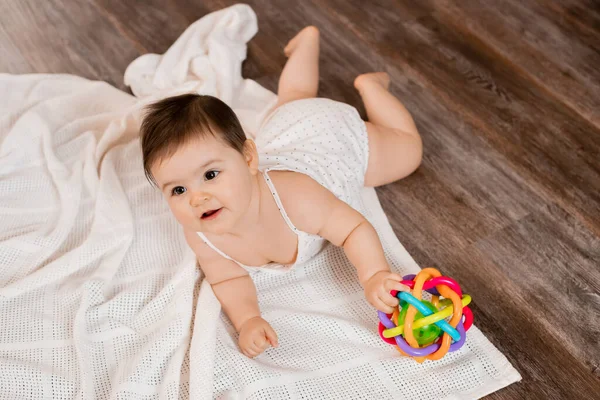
(310, 33)
(377, 78)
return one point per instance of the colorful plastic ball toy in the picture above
(418, 328)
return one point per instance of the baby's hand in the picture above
(378, 287)
(255, 336)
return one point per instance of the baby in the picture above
(274, 202)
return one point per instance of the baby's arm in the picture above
(316, 210)
(236, 292)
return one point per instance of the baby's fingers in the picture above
(395, 277)
(400, 287)
(260, 343)
(249, 353)
(390, 285)
(381, 306)
(252, 350)
(388, 299)
(271, 336)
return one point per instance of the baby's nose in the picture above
(198, 199)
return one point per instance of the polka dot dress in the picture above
(324, 139)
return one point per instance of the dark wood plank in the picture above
(510, 312)
(550, 302)
(152, 26)
(64, 37)
(548, 54)
(552, 262)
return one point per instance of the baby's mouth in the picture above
(210, 213)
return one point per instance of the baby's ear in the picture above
(251, 155)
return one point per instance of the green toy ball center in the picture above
(426, 334)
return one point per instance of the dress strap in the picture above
(283, 214)
(212, 246)
(278, 201)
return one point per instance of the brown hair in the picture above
(175, 121)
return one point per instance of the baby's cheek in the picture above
(181, 215)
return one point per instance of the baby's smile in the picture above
(211, 215)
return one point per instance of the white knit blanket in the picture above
(100, 298)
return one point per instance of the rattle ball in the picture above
(417, 327)
(425, 334)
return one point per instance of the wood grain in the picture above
(506, 95)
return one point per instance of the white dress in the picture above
(324, 139)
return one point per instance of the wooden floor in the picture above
(506, 95)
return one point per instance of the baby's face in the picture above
(207, 184)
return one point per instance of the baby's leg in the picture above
(300, 76)
(395, 147)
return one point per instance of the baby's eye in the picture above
(178, 190)
(211, 175)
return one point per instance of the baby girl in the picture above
(275, 201)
